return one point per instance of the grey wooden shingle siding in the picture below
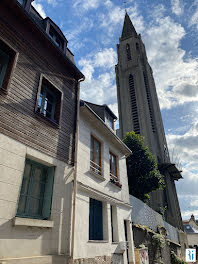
(17, 108)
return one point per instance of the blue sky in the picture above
(169, 29)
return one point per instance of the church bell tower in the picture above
(139, 110)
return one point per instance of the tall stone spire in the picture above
(128, 28)
(139, 110)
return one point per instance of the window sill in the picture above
(98, 241)
(100, 177)
(51, 122)
(19, 221)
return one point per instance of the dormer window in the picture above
(56, 38)
(109, 121)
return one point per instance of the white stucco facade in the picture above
(26, 240)
(99, 187)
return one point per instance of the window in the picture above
(137, 47)
(109, 120)
(56, 38)
(36, 191)
(95, 159)
(128, 51)
(95, 220)
(113, 166)
(49, 101)
(7, 57)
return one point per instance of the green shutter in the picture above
(48, 193)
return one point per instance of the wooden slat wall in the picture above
(17, 109)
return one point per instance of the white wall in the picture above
(25, 241)
(99, 188)
(86, 128)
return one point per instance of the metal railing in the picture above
(95, 168)
(114, 177)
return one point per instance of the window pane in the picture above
(114, 165)
(4, 58)
(26, 179)
(22, 204)
(92, 147)
(34, 207)
(97, 153)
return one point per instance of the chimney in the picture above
(192, 218)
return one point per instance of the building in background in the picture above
(191, 229)
(103, 227)
(39, 91)
(139, 111)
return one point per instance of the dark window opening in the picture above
(134, 110)
(56, 37)
(95, 220)
(36, 191)
(128, 51)
(137, 47)
(7, 58)
(49, 102)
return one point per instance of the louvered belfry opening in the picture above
(136, 125)
(149, 102)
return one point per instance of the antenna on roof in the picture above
(125, 2)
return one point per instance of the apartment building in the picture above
(39, 91)
(102, 224)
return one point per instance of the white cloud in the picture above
(115, 17)
(177, 7)
(100, 89)
(176, 77)
(86, 4)
(39, 9)
(52, 2)
(193, 19)
(74, 35)
(187, 214)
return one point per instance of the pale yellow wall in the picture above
(25, 241)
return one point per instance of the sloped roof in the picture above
(128, 28)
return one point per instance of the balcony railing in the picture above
(95, 168)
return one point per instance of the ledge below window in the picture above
(50, 121)
(19, 221)
(98, 241)
(100, 177)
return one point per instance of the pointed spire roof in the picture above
(128, 28)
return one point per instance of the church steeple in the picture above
(128, 28)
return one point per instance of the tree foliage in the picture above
(143, 174)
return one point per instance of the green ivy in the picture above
(175, 259)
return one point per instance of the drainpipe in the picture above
(75, 171)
